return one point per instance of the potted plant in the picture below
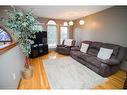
(23, 26)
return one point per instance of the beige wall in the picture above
(11, 65)
(109, 25)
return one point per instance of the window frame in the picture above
(48, 25)
(67, 33)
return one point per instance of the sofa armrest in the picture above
(75, 48)
(67, 46)
(60, 45)
(111, 61)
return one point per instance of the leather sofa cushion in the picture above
(76, 53)
(92, 52)
(90, 59)
(94, 48)
(94, 61)
(84, 56)
(75, 48)
(114, 47)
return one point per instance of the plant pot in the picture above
(27, 73)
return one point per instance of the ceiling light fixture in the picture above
(71, 23)
(65, 24)
(81, 22)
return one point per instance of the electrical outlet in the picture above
(13, 75)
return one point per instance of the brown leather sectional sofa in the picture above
(103, 67)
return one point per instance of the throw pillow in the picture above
(84, 47)
(68, 42)
(104, 53)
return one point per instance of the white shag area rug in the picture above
(67, 73)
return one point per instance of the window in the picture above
(52, 34)
(5, 37)
(63, 34)
(51, 22)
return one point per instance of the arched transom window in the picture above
(51, 22)
(5, 37)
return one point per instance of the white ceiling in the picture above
(63, 12)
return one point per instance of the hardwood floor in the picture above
(39, 80)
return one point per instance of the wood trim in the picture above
(5, 41)
(19, 83)
(8, 47)
(125, 83)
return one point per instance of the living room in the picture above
(62, 58)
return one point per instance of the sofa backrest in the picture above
(87, 42)
(112, 46)
(94, 48)
(122, 53)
